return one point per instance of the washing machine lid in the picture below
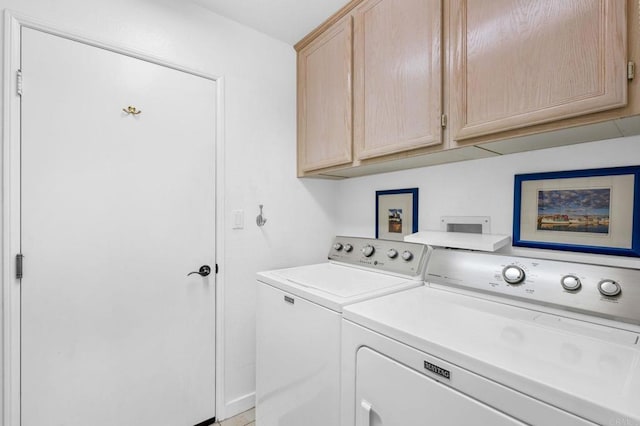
(588, 369)
(335, 285)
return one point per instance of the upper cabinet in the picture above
(324, 99)
(520, 63)
(397, 76)
(390, 84)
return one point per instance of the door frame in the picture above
(10, 211)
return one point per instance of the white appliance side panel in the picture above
(388, 394)
(297, 362)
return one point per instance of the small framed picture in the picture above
(396, 213)
(593, 211)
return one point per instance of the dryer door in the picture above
(390, 394)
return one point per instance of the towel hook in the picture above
(260, 219)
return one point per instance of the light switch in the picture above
(238, 219)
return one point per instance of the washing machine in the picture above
(299, 321)
(496, 340)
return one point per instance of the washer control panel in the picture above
(396, 257)
(604, 291)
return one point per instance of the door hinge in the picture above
(19, 258)
(443, 120)
(19, 82)
(631, 70)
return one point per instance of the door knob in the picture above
(203, 271)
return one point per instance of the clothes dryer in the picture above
(496, 340)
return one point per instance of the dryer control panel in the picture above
(396, 257)
(605, 291)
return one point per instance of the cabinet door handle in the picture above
(365, 411)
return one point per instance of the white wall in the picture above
(482, 188)
(259, 78)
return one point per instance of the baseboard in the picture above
(239, 405)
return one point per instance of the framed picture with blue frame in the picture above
(592, 211)
(396, 213)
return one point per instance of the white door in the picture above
(117, 208)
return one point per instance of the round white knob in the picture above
(609, 288)
(337, 246)
(348, 248)
(407, 255)
(368, 250)
(392, 253)
(513, 274)
(571, 282)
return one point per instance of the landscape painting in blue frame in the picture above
(574, 210)
(561, 211)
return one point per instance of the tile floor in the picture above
(248, 418)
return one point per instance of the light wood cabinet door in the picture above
(324, 99)
(397, 76)
(520, 63)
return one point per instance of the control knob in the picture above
(348, 248)
(368, 250)
(513, 274)
(337, 246)
(609, 288)
(571, 282)
(407, 255)
(392, 253)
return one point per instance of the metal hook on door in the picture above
(260, 219)
(131, 110)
